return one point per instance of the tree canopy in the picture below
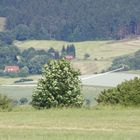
(126, 93)
(58, 87)
(131, 62)
(30, 61)
(72, 20)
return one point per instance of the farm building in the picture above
(11, 69)
(69, 57)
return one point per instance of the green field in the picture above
(103, 51)
(7, 80)
(96, 123)
(89, 92)
(2, 23)
(133, 72)
(71, 124)
(96, 49)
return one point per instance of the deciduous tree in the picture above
(58, 87)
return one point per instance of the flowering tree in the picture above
(58, 87)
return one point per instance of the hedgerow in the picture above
(127, 93)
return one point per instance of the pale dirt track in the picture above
(54, 128)
(64, 128)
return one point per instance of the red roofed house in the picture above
(11, 69)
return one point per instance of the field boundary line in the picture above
(97, 75)
(63, 128)
(56, 128)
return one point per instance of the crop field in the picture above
(91, 66)
(70, 124)
(89, 92)
(109, 79)
(92, 86)
(101, 52)
(2, 23)
(16, 92)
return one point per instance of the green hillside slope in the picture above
(101, 52)
(72, 20)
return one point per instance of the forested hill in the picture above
(72, 20)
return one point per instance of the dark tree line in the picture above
(72, 20)
(68, 50)
(131, 62)
(30, 61)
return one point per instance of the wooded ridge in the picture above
(71, 20)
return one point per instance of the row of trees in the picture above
(30, 60)
(69, 50)
(71, 20)
(131, 62)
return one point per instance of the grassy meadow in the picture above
(89, 92)
(101, 52)
(97, 122)
(70, 124)
(96, 49)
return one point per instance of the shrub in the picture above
(15, 103)
(127, 93)
(24, 72)
(2, 73)
(103, 71)
(86, 56)
(23, 80)
(87, 102)
(12, 74)
(58, 87)
(5, 103)
(23, 101)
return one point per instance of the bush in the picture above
(11, 74)
(24, 72)
(15, 103)
(2, 73)
(86, 56)
(23, 80)
(58, 87)
(127, 93)
(5, 103)
(23, 101)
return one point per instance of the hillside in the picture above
(101, 52)
(71, 20)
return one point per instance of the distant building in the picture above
(69, 57)
(11, 69)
